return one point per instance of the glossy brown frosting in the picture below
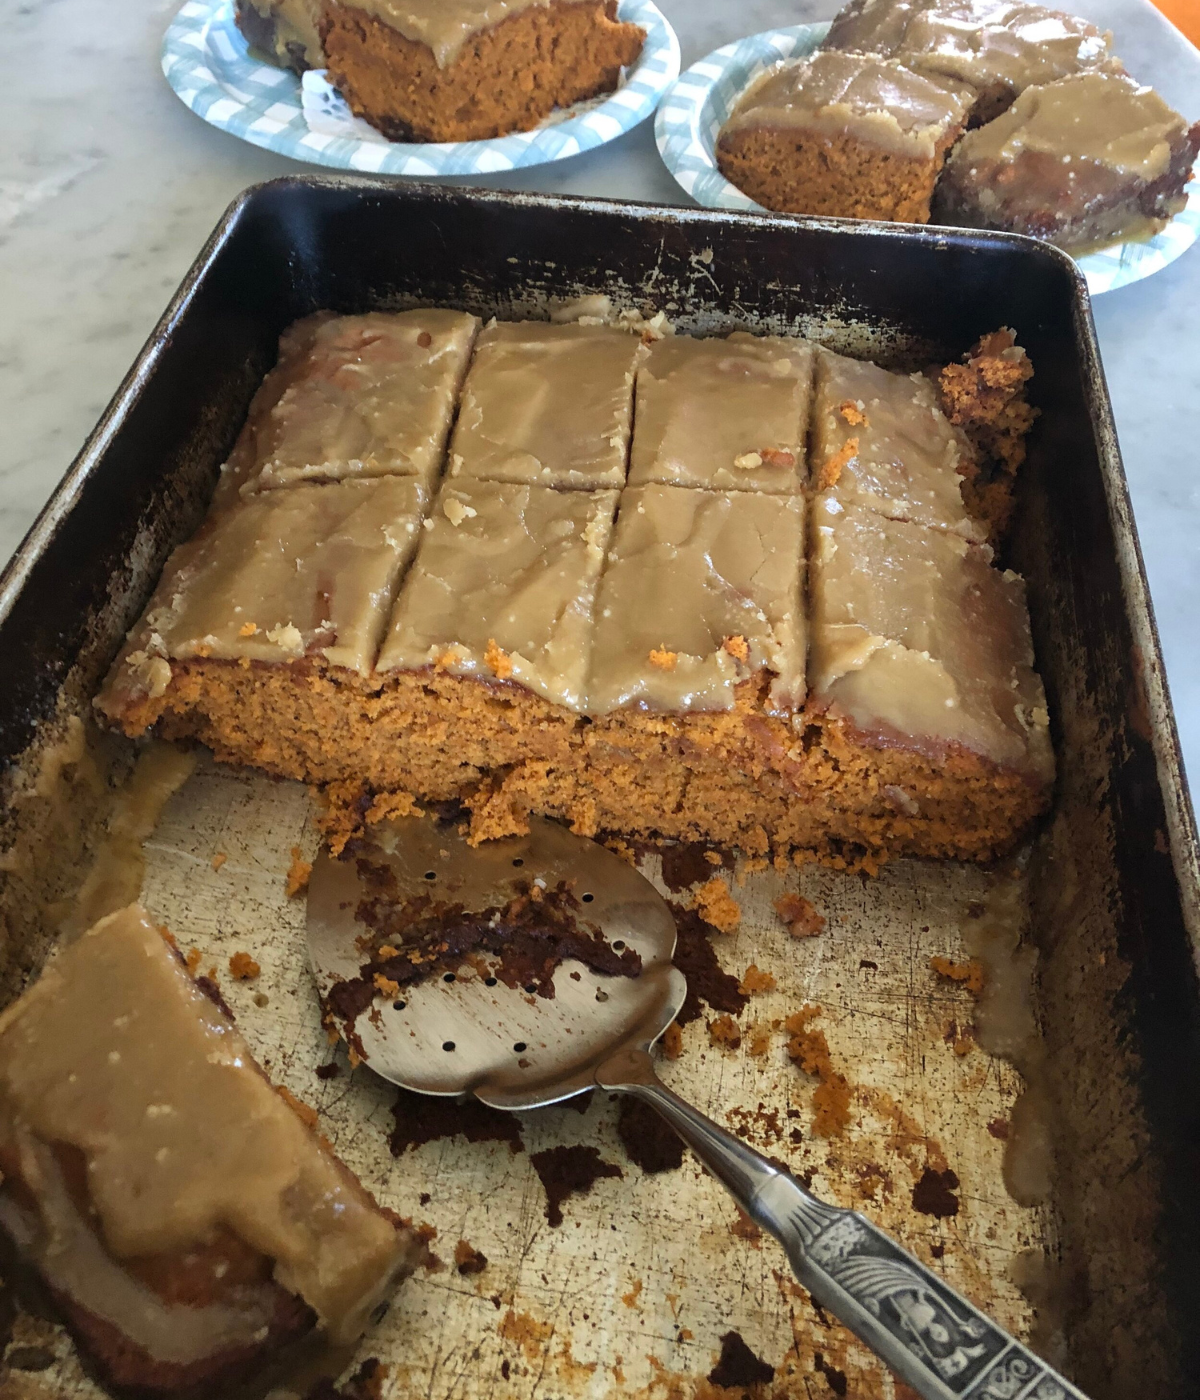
(309, 571)
(502, 587)
(701, 590)
(917, 638)
(445, 25)
(865, 97)
(987, 43)
(115, 1052)
(894, 449)
(1100, 119)
(353, 397)
(723, 412)
(547, 405)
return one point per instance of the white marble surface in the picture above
(109, 186)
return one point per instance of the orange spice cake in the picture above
(511, 426)
(648, 676)
(846, 135)
(354, 397)
(727, 413)
(190, 1228)
(467, 70)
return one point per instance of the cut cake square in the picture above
(880, 440)
(354, 396)
(726, 413)
(190, 1228)
(470, 70)
(846, 135)
(547, 405)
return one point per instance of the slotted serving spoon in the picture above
(471, 1034)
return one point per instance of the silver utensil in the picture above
(470, 1034)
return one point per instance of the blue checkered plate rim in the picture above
(698, 105)
(206, 60)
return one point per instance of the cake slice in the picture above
(354, 397)
(1083, 162)
(547, 405)
(846, 135)
(921, 683)
(997, 48)
(286, 592)
(727, 413)
(283, 30)
(425, 70)
(880, 440)
(191, 1230)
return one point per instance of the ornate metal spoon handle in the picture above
(933, 1339)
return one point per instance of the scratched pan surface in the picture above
(630, 1295)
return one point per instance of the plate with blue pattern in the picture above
(692, 113)
(207, 61)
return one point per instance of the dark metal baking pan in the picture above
(1113, 876)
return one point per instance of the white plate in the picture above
(698, 105)
(206, 60)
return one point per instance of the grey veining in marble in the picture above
(109, 186)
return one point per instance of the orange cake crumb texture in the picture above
(809, 1049)
(754, 980)
(969, 973)
(507, 78)
(672, 1041)
(243, 968)
(717, 906)
(832, 468)
(724, 1030)
(800, 916)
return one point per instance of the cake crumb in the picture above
(193, 960)
(387, 805)
(800, 916)
(759, 1042)
(663, 659)
(724, 1030)
(778, 457)
(456, 511)
(754, 979)
(969, 973)
(672, 1041)
(468, 1259)
(219, 860)
(243, 968)
(297, 874)
(748, 461)
(387, 985)
(853, 414)
(809, 1049)
(832, 468)
(247, 629)
(497, 660)
(713, 858)
(737, 647)
(305, 1112)
(716, 905)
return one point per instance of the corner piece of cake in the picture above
(921, 682)
(997, 48)
(354, 397)
(727, 413)
(286, 591)
(194, 1233)
(547, 405)
(846, 135)
(469, 70)
(1083, 162)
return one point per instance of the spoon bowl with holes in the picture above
(527, 970)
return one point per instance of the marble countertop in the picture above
(109, 186)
